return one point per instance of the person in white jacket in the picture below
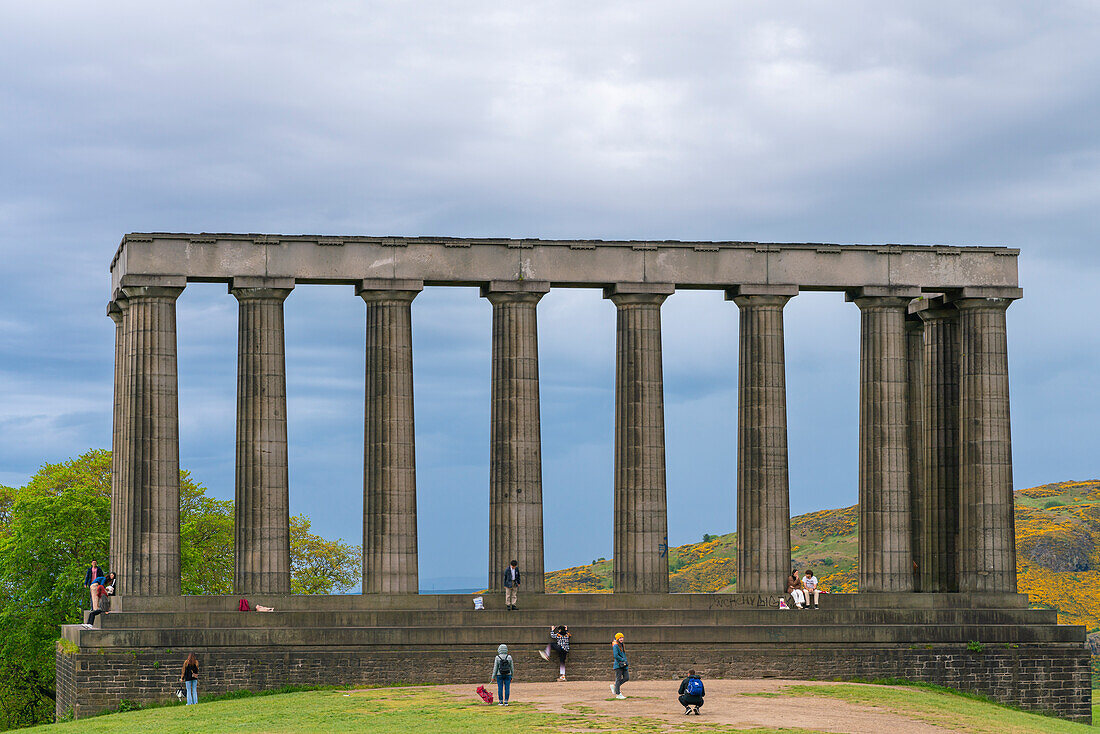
(809, 581)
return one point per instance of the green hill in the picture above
(1057, 543)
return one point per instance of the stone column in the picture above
(515, 447)
(262, 509)
(763, 493)
(641, 522)
(149, 531)
(116, 310)
(389, 451)
(885, 551)
(941, 446)
(914, 338)
(987, 540)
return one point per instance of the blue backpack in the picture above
(694, 687)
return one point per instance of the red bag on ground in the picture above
(485, 695)
(242, 606)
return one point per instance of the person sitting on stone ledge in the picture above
(691, 693)
(809, 583)
(795, 590)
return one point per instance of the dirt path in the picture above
(735, 702)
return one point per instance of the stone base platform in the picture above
(990, 644)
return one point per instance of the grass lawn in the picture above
(428, 709)
(381, 711)
(949, 709)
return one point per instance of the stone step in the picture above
(574, 618)
(529, 601)
(800, 634)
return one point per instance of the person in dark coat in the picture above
(511, 585)
(691, 693)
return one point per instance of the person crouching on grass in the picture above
(691, 693)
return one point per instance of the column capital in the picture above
(116, 309)
(631, 294)
(984, 292)
(905, 293)
(388, 289)
(992, 304)
(761, 295)
(152, 291)
(260, 294)
(515, 291)
(930, 309)
(251, 282)
(166, 281)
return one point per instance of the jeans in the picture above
(504, 686)
(192, 687)
(621, 676)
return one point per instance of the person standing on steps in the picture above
(691, 693)
(618, 652)
(503, 668)
(511, 585)
(559, 641)
(190, 677)
(92, 578)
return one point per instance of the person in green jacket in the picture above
(618, 651)
(502, 674)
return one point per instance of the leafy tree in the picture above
(51, 530)
(319, 566)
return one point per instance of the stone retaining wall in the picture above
(1051, 678)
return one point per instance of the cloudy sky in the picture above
(922, 122)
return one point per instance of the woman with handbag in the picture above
(190, 678)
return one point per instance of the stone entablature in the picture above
(576, 263)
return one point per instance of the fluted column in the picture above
(939, 562)
(641, 522)
(116, 310)
(515, 447)
(149, 534)
(262, 508)
(763, 493)
(987, 542)
(914, 337)
(885, 550)
(389, 451)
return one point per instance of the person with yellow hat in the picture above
(618, 651)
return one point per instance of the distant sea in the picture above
(449, 591)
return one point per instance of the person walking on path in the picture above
(618, 652)
(511, 585)
(691, 693)
(559, 641)
(92, 579)
(190, 677)
(503, 668)
(809, 583)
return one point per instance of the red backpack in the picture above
(242, 606)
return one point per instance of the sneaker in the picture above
(620, 696)
(696, 710)
(505, 703)
(686, 711)
(612, 687)
(87, 626)
(543, 655)
(561, 678)
(500, 703)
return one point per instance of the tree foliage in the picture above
(55, 526)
